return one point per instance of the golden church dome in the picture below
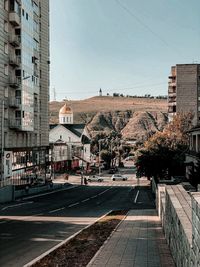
(65, 110)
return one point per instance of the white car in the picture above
(119, 177)
(95, 178)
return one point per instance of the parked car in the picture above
(95, 178)
(119, 177)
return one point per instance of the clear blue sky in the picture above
(123, 46)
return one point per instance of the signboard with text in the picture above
(7, 164)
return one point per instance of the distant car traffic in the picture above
(119, 177)
(95, 178)
(129, 158)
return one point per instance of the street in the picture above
(32, 226)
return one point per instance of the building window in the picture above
(6, 69)
(23, 12)
(5, 26)
(5, 48)
(6, 91)
(27, 16)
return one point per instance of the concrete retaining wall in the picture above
(179, 212)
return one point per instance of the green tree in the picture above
(163, 154)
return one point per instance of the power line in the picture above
(130, 12)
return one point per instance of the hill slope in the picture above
(133, 117)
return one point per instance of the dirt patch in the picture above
(80, 250)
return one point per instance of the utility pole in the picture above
(2, 142)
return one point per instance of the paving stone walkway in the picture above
(137, 242)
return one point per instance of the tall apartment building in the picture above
(24, 87)
(184, 90)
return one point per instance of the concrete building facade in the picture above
(24, 87)
(184, 91)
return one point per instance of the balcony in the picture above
(15, 123)
(36, 54)
(14, 82)
(172, 83)
(15, 102)
(171, 104)
(36, 71)
(36, 36)
(14, 40)
(171, 94)
(14, 61)
(14, 18)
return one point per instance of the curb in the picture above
(31, 263)
(105, 242)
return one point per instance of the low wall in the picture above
(179, 212)
(6, 193)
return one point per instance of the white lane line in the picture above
(103, 192)
(136, 197)
(94, 196)
(52, 211)
(85, 200)
(72, 205)
(17, 205)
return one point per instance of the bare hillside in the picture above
(133, 117)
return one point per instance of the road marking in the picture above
(136, 197)
(72, 205)
(17, 205)
(94, 196)
(85, 200)
(51, 192)
(52, 211)
(103, 192)
(2, 222)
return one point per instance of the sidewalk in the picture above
(137, 242)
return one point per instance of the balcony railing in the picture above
(14, 81)
(14, 40)
(14, 18)
(14, 60)
(36, 71)
(36, 54)
(15, 102)
(15, 123)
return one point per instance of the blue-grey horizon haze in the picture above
(120, 46)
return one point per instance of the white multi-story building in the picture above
(24, 86)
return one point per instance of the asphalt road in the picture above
(31, 227)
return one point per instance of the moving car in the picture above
(119, 177)
(130, 158)
(95, 178)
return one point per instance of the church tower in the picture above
(66, 115)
